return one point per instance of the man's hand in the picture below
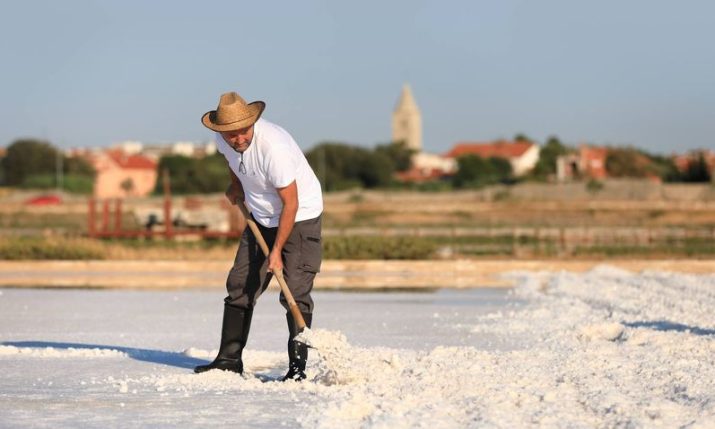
(275, 261)
(234, 192)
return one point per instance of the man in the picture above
(270, 172)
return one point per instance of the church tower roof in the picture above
(407, 121)
(406, 102)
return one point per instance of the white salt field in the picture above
(605, 348)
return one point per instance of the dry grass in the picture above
(177, 253)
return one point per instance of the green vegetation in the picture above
(593, 186)
(35, 223)
(690, 247)
(546, 166)
(39, 248)
(73, 183)
(697, 171)
(475, 172)
(398, 153)
(51, 249)
(636, 163)
(627, 162)
(194, 175)
(665, 168)
(340, 166)
(354, 247)
(36, 164)
(378, 248)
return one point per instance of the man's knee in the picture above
(244, 286)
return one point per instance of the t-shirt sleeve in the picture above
(281, 167)
(220, 144)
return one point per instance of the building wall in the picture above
(526, 162)
(429, 161)
(108, 183)
(110, 176)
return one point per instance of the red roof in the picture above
(499, 149)
(131, 162)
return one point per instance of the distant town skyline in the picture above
(89, 73)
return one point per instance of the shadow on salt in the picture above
(665, 325)
(177, 359)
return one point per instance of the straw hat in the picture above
(233, 113)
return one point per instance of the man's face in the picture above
(239, 140)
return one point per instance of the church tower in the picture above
(407, 121)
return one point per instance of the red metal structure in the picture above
(111, 215)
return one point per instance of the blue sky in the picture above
(92, 73)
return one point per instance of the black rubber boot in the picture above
(234, 333)
(297, 352)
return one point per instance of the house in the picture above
(522, 155)
(122, 175)
(588, 162)
(427, 167)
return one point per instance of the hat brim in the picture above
(209, 119)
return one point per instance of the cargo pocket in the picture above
(311, 247)
(311, 253)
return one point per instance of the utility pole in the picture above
(59, 179)
(168, 227)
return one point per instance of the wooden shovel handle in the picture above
(292, 306)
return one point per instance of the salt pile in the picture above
(340, 363)
(606, 348)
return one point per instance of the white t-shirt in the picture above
(273, 160)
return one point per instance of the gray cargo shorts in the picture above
(302, 256)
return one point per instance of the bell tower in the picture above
(407, 121)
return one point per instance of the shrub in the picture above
(74, 183)
(378, 248)
(593, 186)
(50, 249)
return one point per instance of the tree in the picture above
(474, 171)
(399, 153)
(698, 170)
(32, 163)
(27, 157)
(549, 154)
(628, 162)
(341, 166)
(335, 165)
(78, 166)
(376, 169)
(194, 176)
(665, 168)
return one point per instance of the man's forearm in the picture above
(285, 225)
(234, 180)
(289, 198)
(235, 189)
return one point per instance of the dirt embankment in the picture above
(369, 275)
